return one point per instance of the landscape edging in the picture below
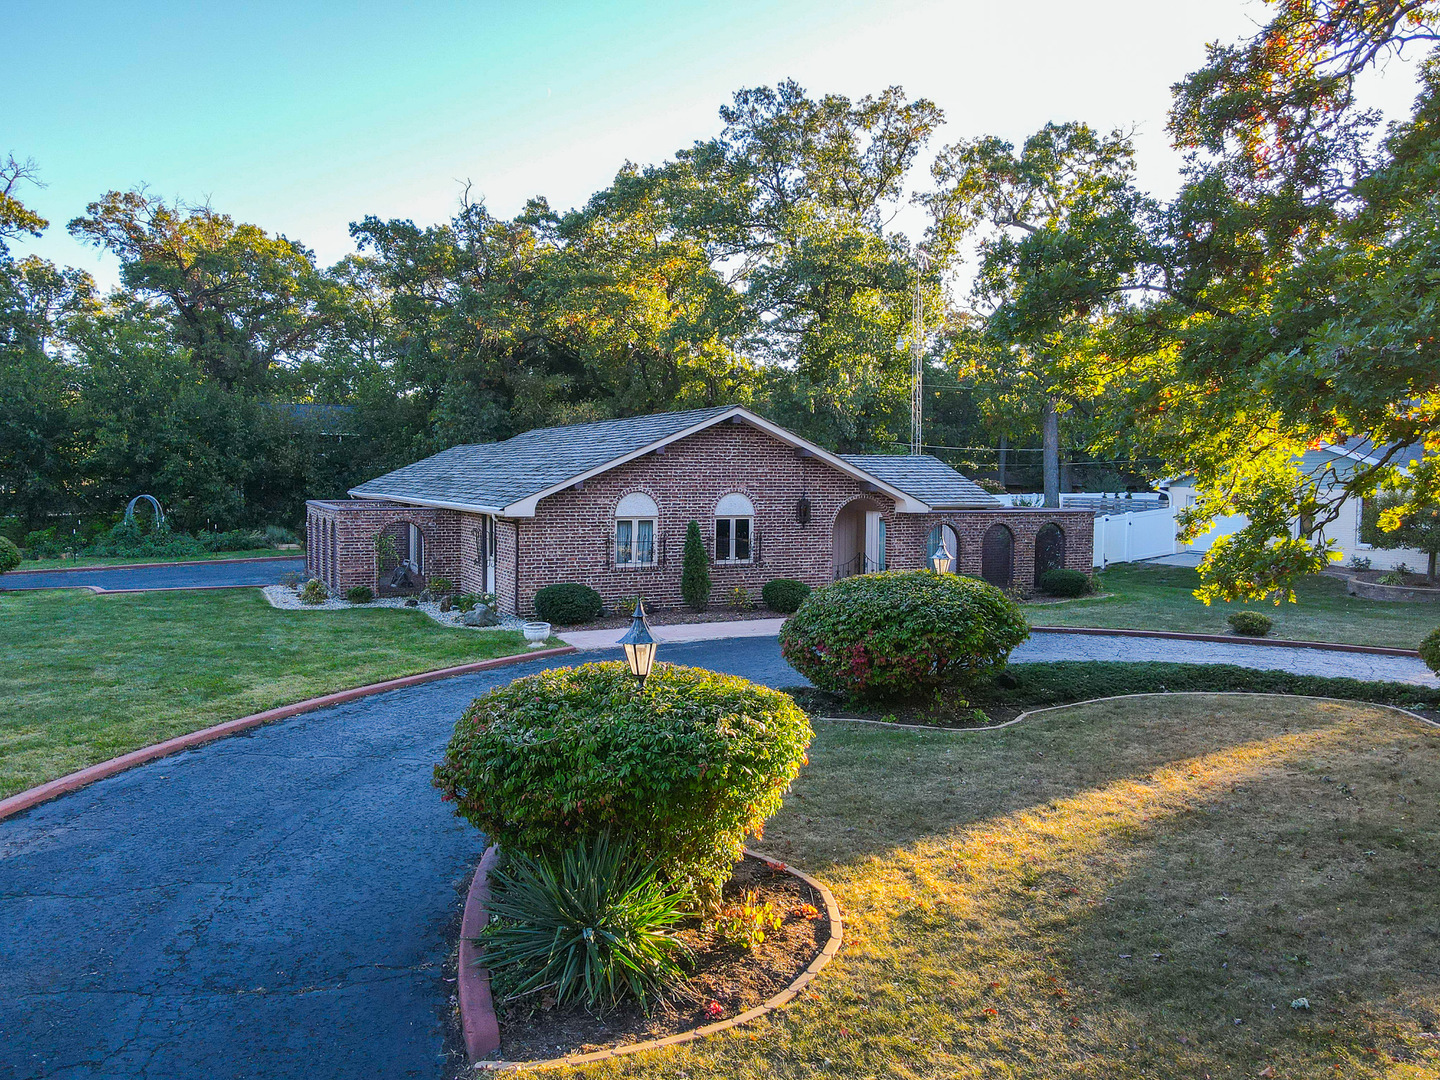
(52, 789)
(476, 1020)
(1121, 697)
(1225, 639)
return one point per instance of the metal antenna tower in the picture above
(916, 347)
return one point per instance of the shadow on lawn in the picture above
(1136, 889)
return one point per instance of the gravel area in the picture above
(284, 597)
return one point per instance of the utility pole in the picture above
(922, 262)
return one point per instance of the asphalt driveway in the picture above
(192, 575)
(279, 903)
(276, 904)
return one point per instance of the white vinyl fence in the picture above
(1128, 537)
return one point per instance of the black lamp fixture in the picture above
(639, 645)
(942, 559)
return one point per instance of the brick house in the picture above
(607, 504)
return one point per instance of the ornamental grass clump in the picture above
(592, 924)
(687, 769)
(902, 634)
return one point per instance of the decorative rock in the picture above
(445, 603)
(410, 601)
(481, 616)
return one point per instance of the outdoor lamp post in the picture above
(639, 645)
(942, 558)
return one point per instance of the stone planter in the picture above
(536, 633)
(1406, 594)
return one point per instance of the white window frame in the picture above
(732, 522)
(635, 523)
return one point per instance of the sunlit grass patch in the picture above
(1105, 892)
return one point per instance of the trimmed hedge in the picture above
(1062, 681)
(902, 634)
(1430, 650)
(1061, 582)
(784, 595)
(1249, 623)
(687, 770)
(568, 603)
(9, 554)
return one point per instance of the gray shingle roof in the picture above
(926, 478)
(498, 474)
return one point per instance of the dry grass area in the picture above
(1119, 890)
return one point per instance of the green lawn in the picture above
(1147, 597)
(1115, 891)
(90, 560)
(88, 677)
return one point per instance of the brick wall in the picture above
(971, 525)
(350, 559)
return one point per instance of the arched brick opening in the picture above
(401, 558)
(858, 538)
(997, 556)
(1049, 549)
(952, 545)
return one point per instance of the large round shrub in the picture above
(9, 554)
(902, 634)
(687, 769)
(784, 595)
(568, 603)
(1430, 650)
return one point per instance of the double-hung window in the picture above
(635, 519)
(734, 529)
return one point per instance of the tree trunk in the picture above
(1431, 572)
(1050, 455)
(1004, 453)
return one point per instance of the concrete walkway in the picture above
(191, 575)
(678, 632)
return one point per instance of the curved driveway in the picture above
(191, 575)
(280, 903)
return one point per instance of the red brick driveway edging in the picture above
(44, 792)
(477, 1009)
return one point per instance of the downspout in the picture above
(517, 569)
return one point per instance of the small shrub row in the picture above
(1249, 623)
(568, 603)
(1061, 582)
(1062, 681)
(784, 595)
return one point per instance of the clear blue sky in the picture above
(305, 116)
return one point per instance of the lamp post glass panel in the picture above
(942, 558)
(639, 645)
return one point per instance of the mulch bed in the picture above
(731, 977)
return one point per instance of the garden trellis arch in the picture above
(154, 504)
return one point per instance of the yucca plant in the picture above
(593, 925)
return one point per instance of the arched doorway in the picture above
(952, 545)
(1049, 549)
(997, 556)
(858, 538)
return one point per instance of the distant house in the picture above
(1331, 464)
(607, 504)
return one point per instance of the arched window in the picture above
(635, 519)
(952, 545)
(997, 556)
(1049, 549)
(734, 528)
